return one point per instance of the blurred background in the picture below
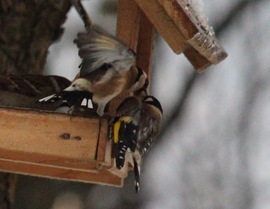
(214, 149)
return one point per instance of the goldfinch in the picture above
(107, 69)
(24, 90)
(135, 127)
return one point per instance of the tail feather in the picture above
(50, 99)
(136, 175)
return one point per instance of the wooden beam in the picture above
(179, 17)
(184, 31)
(102, 177)
(199, 62)
(135, 30)
(197, 33)
(128, 20)
(163, 24)
(145, 45)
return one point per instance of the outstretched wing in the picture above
(97, 47)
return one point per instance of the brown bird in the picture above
(24, 90)
(107, 69)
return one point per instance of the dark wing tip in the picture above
(137, 187)
(137, 176)
(153, 101)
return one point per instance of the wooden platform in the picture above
(56, 146)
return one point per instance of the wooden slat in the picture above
(163, 24)
(179, 17)
(145, 45)
(128, 19)
(197, 33)
(36, 132)
(199, 62)
(48, 160)
(103, 177)
(135, 30)
(184, 31)
(104, 147)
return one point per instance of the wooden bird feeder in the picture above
(77, 148)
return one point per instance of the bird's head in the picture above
(80, 84)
